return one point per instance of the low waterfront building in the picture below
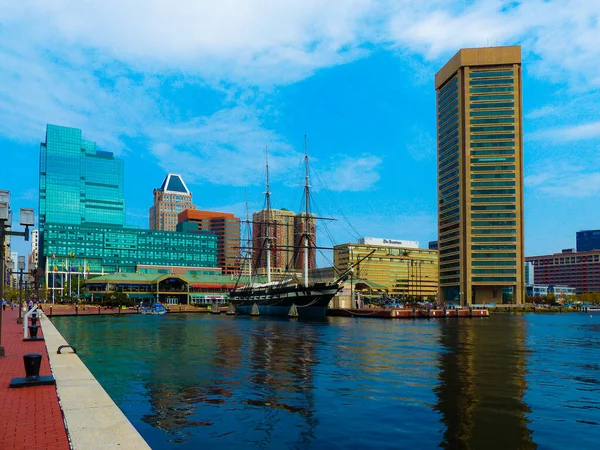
(580, 270)
(171, 289)
(540, 290)
(393, 270)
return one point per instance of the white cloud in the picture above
(565, 180)
(571, 133)
(353, 173)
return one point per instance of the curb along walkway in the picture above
(30, 418)
(93, 419)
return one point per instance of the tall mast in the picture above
(306, 223)
(267, 222)
(248, 240)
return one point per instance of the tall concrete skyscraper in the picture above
(170, 199)
(480, 176)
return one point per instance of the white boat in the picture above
(156, 308)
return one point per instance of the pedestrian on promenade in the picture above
(3, 304)
(30, 304)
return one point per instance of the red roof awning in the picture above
(211, 286)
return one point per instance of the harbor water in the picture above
(208, 381)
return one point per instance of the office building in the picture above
(82, 217)
(78, 183)
(480, 176)
(170, 199)
(286, 236)
(401, 272)
(588, 240)
(433, 245)
(226, 228)
(580, 270)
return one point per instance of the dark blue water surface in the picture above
(201, 381)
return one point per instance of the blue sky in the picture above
(201, 87)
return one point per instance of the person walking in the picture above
(3, 305)
(30, 304)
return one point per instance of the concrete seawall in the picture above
(92, 419)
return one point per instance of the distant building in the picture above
(285, 233)
(170, 199)
(433, 245)
(480, 176)
(402, 272)
(588, 240)
(225, 226)
(32, 260)
(529, 273)
(580, 270)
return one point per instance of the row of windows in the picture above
(505, 112)
(494, 263)
(494, 231)
(484, 90)
(492, 144)
(488, 74)
(449, 168)
(475, 98)
(494, 239)
(492, 199)
(478, 176)
(493, 207)
(449, 213)
(491, 82)
(450, 281)
(491, 120)
(491, 279)
(493, 215)
(485, 271)
(450, 265)
(494, 168)
(492, 152)
(493, 247)
(493, 255)
(488, 223)
(448, 151)
(449, 250)
(489, 137)
(450, 99)
(492, 191)
(493, 105)
(481, 129)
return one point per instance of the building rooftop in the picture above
(175, 184)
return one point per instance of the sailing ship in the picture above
(289, 297)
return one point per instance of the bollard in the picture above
(119, 309)
(32, 362)
(76, 310)
(34, 319)
(33, 330)
(98, 309)
(50, 311)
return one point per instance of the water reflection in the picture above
(208, 372)
(482, 382)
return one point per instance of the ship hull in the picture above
(310, 302)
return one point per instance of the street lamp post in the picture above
(21, 267)
(26, 219)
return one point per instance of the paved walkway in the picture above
(29, 417)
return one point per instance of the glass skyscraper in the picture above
(480, 176)
(79, 184)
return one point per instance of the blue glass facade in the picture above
(79, 184)
(98, 249)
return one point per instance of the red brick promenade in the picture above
(30, 418)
